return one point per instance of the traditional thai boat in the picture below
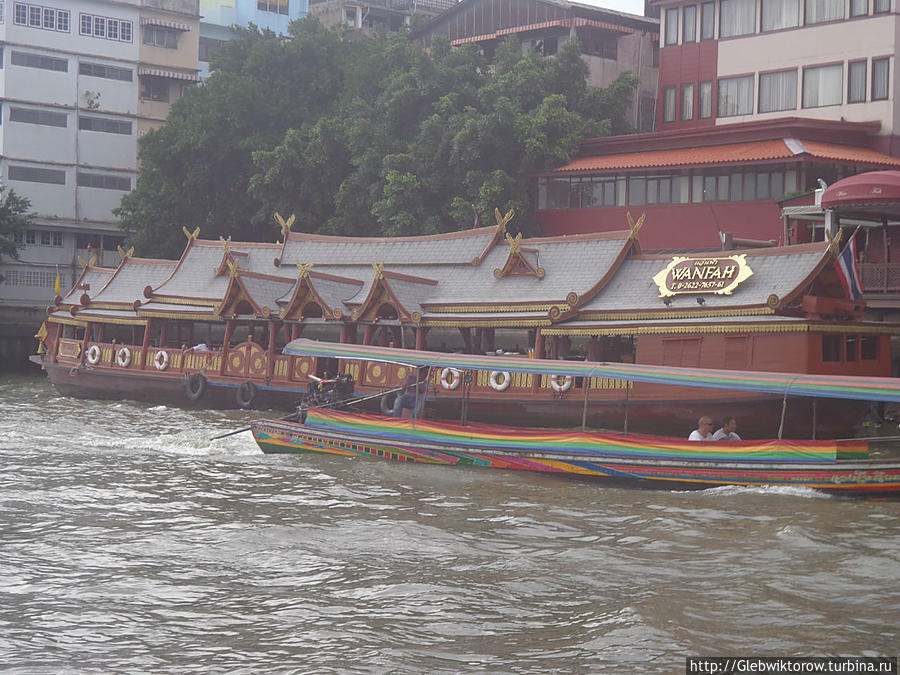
(837, 466)
(209, 329)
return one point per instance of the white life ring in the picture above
(123, 357)
(500, 380)
(93, 354)
(561, 388)
(450, 378)
(161, 360)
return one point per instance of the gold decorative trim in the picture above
(119, 322)
(190, 235)
(852, 329)
(681, 330)
(175, 300)
(522, 323)
(66, 321)
(687, 314)
(543, 307)
(186, 315)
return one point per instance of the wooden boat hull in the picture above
(83, 381)
(661, 464)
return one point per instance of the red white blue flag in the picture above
(848, 270)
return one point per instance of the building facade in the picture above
(80, 82)
(612, 42)
(731, 61)
(219, 16)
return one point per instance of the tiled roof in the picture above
(133, 275)
(93, 277)
(778, 271)
(194, 276)
(734, 153)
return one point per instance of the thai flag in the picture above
(848, 270)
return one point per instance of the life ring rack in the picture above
(123, 357)
(450, 379)
(500, 380)
(161, 360)
(561, 387)
(93, 355)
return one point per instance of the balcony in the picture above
(880, 277)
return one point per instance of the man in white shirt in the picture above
(703, 432)
(727, 432)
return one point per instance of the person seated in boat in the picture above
(727, 432)
(413, 394)
(703, 432)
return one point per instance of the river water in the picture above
(130, 542)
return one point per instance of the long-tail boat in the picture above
(209, 329)
(837, 466)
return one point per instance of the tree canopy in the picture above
(14, 219)
(371, 137)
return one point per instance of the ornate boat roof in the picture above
(475, 277)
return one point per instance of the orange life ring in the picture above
(450, 378)
(561, 388)
(123, 357)
(500, 380)
(161, 360)
(93, 354)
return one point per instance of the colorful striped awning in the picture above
(794, 384)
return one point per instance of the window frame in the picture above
(886, 61)
(807, 70)
(851, 80)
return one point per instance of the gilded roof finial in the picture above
(226, 243)
(503, 220)
(379, 270)
(285, 224)
(635, 226)
(304, 269)
(232, 268)
(834, 243)
(190, 235)
(513, 243)
(125, 254)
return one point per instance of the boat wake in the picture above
(768, 490)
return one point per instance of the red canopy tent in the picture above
(874, 194)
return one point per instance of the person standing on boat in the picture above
(703, 432)
(727, 432)
(413, 395)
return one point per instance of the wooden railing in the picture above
(880, 277)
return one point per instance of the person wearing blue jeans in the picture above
(409, 398)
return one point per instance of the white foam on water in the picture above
(779, 490)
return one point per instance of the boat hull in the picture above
(83, 381)
(852, 477)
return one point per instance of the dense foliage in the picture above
(14, 219)
(366, 137)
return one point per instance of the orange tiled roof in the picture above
(730, 154)
(565, 23)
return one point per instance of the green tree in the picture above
(14, 219)
(367, 137)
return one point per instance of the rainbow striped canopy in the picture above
(795, 384)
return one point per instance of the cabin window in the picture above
(736, 351)
(850, 348)
(681, 352)
(831, 348)
(868, 348)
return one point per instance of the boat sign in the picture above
(703, 275)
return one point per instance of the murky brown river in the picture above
(130, 542)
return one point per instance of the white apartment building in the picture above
(733, 61)
(79, 83)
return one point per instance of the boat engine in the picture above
(333, 392)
